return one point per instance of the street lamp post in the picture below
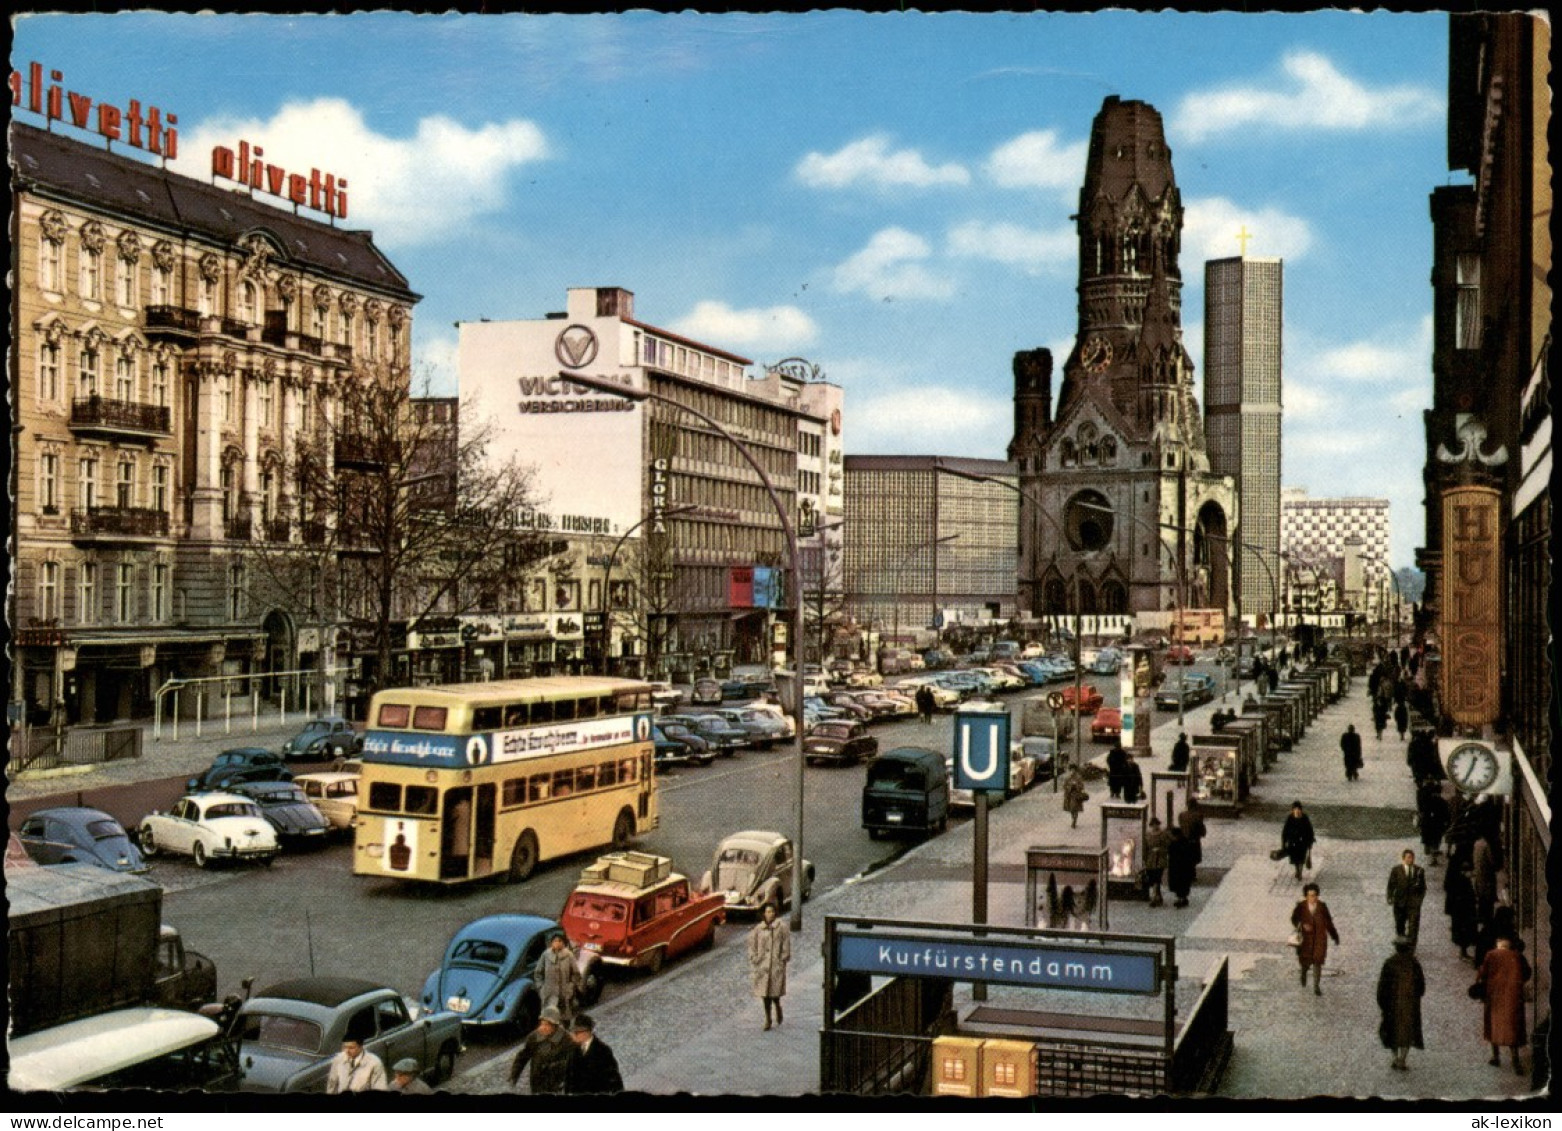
(1399, 596)
(630, 393)
(605, 605)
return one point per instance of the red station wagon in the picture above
(632, 909)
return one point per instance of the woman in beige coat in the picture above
(769, 950)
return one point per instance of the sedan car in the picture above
(329, 736)
(1088, 702)
(752, 869)
(208, 827)
(1107, 726)
(335, 794)
(840, 741)
(289, 1032)
(77, 835)
(678, 745)
(290, 812)
(245, 763)
(707, 692)
(485, 977)
(762, 728)
(721, 736)
(631, 910)
(1179, 654)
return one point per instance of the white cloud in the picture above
(1411, 401)
(1303, 401)
(775, 327)
(870, 161)
(435, 358)
(1038, 160)
(1033, 250)
(1210, 226)
(1400, 357)
(928, 418)
(407, 189)
(1317, 96)
(887, 269)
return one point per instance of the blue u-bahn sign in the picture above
(981, 753)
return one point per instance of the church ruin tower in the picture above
(1131, 508)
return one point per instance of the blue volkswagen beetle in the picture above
(72, 834)
(486, 975)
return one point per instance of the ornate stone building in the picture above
(1118, 489)
(173, 340)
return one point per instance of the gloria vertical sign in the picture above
(1472, 604)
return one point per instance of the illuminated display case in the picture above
(1169, 795)
(1216, 770)
(1066, 889)
(1123, 829)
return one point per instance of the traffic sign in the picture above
(981, 752)
(1055, 700)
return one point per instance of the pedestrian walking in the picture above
(1379, 716)
(1500, 926)
(1180, 866)
(1459, 903)
(1406, 890)
(1133, 780)
(925, 704)
(1431, 817)
(1314, 928)
(547, 1049)
(1116, 759)
(557, 976)
(1074, 796)
(1401, 985)
(1296, 839)
(1483, 878)
(1180, 753)
(1401, 717)
(1501, 985)
(1350, 748)
(1274, 679)
(407, 1078)
(1191, 822)
(355, 1069)
(1157, 842)
(769, 950)
(1421, 756)
(592, 1068)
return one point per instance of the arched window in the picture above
(1068, 454)
(247, 302)
(1108, 449)
(1114, 598)
(124, 378)
(88, 372)
(1055, 596)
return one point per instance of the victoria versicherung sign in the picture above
(1014, 964)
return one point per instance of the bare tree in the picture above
(390, 514)
(639, 599)
(824, 597)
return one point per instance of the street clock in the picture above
(1472, 766)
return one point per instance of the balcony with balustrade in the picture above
(102, 525)
(105, 416)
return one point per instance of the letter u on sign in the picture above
(981, 751)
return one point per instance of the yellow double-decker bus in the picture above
(480, 779)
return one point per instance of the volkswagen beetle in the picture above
(751, 869)
(485, 977)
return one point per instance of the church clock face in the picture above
(1096, 354)
(1473, 767)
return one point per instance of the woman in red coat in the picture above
(1503, 974)
(1312, 920)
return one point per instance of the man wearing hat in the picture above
(407, 1078)
(592, 1068)
(547, 1049)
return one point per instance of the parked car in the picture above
(963, 799)
(944, 698)
(907, 789)
(751, 869)
(630, 909)
(329, 736)
(1191, 688)
(775, 711)
(840, 741)
(721, 736)
(1042, 750)
(289, 1032)
(1107, 662)
(73, 834)
(335, 794)
(1107, 726)
(863, 677)
(287, 808)
(209, 827)
(244, 763)
(1088, 702)
(848, 704)
(485, 977)
(824, 710)
(1179, 654)
(706, 693)
(761, 727)
(681, 748)
(936, 658)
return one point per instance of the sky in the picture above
(888, 196)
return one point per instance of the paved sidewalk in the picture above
(705, 1036)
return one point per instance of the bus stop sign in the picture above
(981, 752)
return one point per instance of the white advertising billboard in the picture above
(585, 445)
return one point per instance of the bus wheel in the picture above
(523, 861)
(623, 829)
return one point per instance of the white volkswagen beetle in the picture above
(210, 826)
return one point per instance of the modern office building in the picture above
(1242, 415)
(1121, 502)
(1486, 626)
(173, 341)
(703, 554)
(928, 549)
(1335, 553)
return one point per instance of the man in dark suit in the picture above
(592, 1068)
(1406, 890)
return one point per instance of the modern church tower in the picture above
(1130, 511)
(1242, 309)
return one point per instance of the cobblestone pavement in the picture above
(697, 1029)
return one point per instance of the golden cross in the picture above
(1242, 237)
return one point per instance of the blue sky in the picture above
(887, 195)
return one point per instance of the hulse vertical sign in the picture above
(1472, 604)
